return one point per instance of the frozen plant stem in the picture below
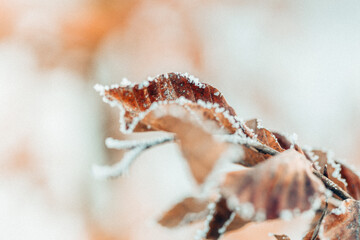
(130, 144)
(135, 149)
(248, 142)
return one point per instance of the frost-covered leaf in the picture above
(342, 222)
(137, 101)
(287, 142)
(352, 179)
(264, 136)
(220, 220)
(338, 172)
(280, 187)
(185, 212)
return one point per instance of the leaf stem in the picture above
(332, 186)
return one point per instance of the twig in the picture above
(317, 228)
(130, 144)
(248, 142)
(332, 186)
(135, 149)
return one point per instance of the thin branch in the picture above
(248, 142)
(317, 228)
(130, 144)
(118, 169)
(135, 149)
(332, 186)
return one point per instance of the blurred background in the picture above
(293, 64)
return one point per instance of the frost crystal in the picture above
(337, 167)
(222, 230)
(125, 82)
(128, 144)
(144, 84)
(286, 215)
(202, 233)
(340, 210)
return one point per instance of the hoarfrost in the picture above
(340, 210)
(202, 233)
(128, 144)
(193, 80)
(144, 84)
(337, 167)
(222, 230)
(125, 82)
(103, 172)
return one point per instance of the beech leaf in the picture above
(281, 187)
(136, 101)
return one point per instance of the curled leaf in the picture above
(264, 136)
(277, 188)
(136, 101)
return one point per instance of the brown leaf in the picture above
(202, 158)
(281, 237)
(285, 143)
(185, 212)
(136, 101)
(339, 173)
(277, 188)
(264, 136)
(223, 219)
(352, 179)
(343, 222)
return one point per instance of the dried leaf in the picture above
(264, 136)
(277, 188)
(281, 237)
(202, 158)
(223, 220)
(185, 212)
(136, 101)
(343, 222)
(285, 142)
(338, 172)
(352, 179)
